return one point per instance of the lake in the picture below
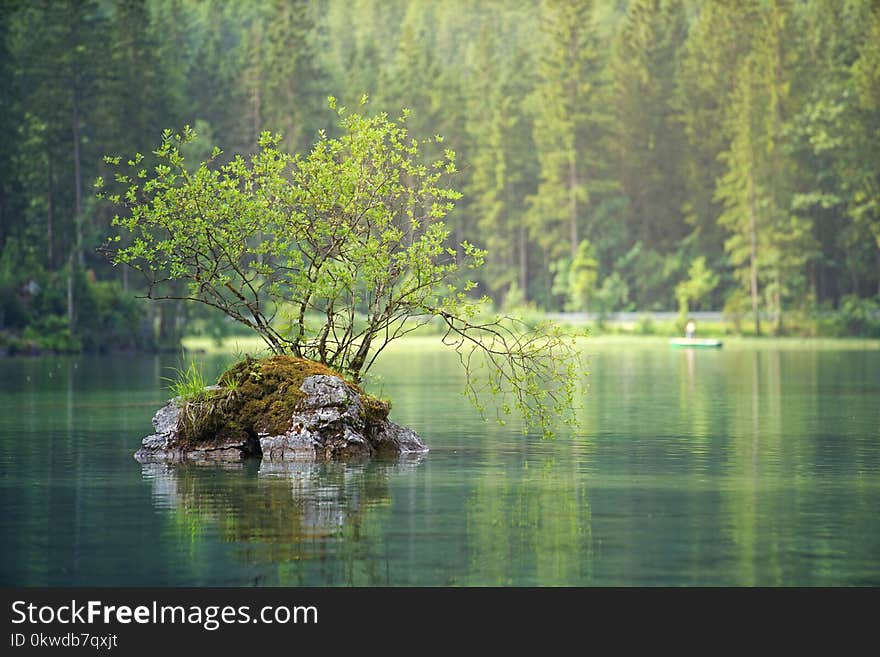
(755, 464)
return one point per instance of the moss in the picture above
(258, 396)
(376, 409)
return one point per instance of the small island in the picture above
(328, 257)
(280, 408)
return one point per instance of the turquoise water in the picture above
(739, 466)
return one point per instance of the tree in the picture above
(354, 254)
(576, 278)
(279, 81)
(739, 190)
(719, 37)
(865, 186)
(133, 88)
(10, 114)
(60, 46)
(700, 282)
(502, 164)
(569, 127)
(769, 244)
(649, 137)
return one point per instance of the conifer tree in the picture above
(648, 137)
(569, 117)
(719, 37)
(501, 166)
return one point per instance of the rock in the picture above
(266, 414)
(165, 419)
(164, 445)
(390, 437)
(290, 446)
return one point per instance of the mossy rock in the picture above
(258, 397)
(278, 408)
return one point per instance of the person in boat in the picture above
(690, 329)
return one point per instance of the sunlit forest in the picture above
(641, 155)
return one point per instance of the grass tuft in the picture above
(187, 384)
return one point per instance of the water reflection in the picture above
(731, 467)
(288, 511)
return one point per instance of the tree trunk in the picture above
(548, 283)
(71, 309)
(169, 337)
(357, 363)
(572, 153)
(50, 256)
(753, 255)
(777, 301)
(572, 204)
(77, 181)
(256, 113)
(523, 262)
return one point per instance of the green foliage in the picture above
(735, 308)
(187, 384)
(859, 317)
(15, 311)
(582, 276)
(33, 305)
(332, 255)
(656, 129)
(531, 370)
(645, 325)
(575, 278)
(354, 227)
(647, 134)
(50, 333)
(109, 319)
(700, 282)
(647, 274)
(569, 124)
(613, 295)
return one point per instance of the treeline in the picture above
(641, 155)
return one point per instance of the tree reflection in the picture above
(282, 513)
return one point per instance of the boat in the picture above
(696, 343)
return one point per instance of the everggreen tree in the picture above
(645, 98)
(569, 124)
(173, 30)
(864, 183)
(357, 40)
(133, 90)
(60, 46)
(769, 243)
(10, 115)
(740, 190)
(281, 84)
(649, 138)
(501, 167)
(719, 37)
(414, 68)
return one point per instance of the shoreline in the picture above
(255, 345)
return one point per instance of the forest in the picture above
(640, 155)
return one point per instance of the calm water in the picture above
(735, 467)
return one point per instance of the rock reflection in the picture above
(277, 511)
